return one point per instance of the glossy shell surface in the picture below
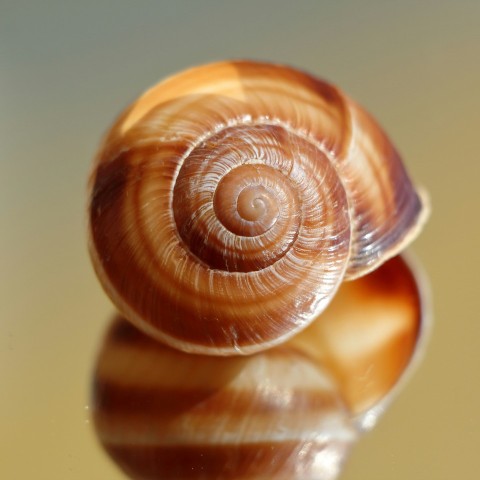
(229, 202)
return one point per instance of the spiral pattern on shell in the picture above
(231, 200)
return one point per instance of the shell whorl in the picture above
(230, 201)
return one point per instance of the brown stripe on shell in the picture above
(151, 398)
(388, 211)
(262, 461)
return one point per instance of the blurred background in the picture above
(68, 68)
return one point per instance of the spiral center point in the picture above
(246, 200)
(252, 206)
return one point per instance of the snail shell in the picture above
(231, 200)
(291, 412)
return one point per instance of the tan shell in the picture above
(230, 201)
(291, 412)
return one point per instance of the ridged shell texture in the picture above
(230, 201)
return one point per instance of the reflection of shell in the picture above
(286, 413)
(164, 414)
(230, 201)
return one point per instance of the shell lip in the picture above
(410, 235)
